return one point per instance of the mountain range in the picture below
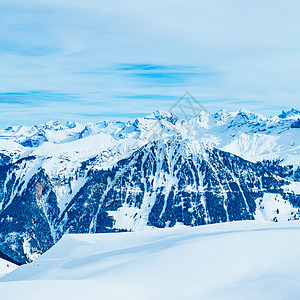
(155, 171)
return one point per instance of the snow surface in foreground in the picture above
(239, 260)
(6, 267)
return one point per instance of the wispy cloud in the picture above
(22, 49)
(164, 75)
(149, 97)
(145, 67)
(35, 98)
(125, 58)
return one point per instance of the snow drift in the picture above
(238, 260)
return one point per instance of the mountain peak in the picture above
(164, 115)
(244, 111)
(222, 113)
(53, 125)
(290, 113)
(246, 114)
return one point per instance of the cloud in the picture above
(13, 47)
(163, 75)
(111, 56)
(33, 97)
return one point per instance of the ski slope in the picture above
(237, 260)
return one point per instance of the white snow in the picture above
(6, 267)
(28, 253)
(228, 261)
(124, 216)
(10, 146)
(274, 207)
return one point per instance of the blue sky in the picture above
(92, 60)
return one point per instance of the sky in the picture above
(92, 60)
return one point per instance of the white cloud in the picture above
(74, 47)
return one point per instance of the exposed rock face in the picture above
(296, 124)
(4, 159)
(28, 211)
(285, 171)
(161, 184)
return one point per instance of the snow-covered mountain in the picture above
(155, 171)
(249, 135)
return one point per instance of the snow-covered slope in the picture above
(6, 267)
(251, 135)
(228, 261)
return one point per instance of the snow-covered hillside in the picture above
(228, 261)
(6, 267)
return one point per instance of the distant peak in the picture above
(164, 115)
(222, 112)
(289, 113)
(71, 125)
(249, 114)
(53, 123)
(222, 116)
(244, 111)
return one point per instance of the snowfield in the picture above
(237, 260)
(6, 267)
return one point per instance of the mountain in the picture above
(157, 171)
(236, 260)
